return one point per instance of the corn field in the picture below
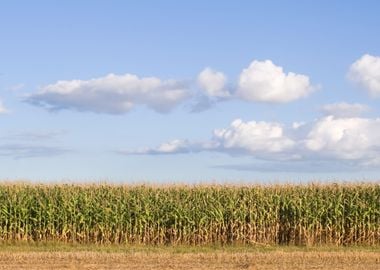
(338, 214)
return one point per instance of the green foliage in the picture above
(196, 215)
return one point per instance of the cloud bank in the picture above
(339, 140)
(113, 94)
(262, 81)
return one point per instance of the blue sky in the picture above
(199, 91)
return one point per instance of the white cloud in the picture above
(247, 138)
(117, 94)
(2, 108)
(345, 138)
(343, 109)
(263, 81)
(340, 142)
(297, 125)
(112, 94)
(366, 72)
(172, 147)
(213, 83)
(253, 137)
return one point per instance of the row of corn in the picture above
(338, 214)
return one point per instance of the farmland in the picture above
(299, 215)
(206, 261)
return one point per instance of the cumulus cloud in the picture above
(263, 81)
(213, 89)
(366, 72)
(343, 109)
(348, 141)
(213, 83)
(114, 94)
(240, 138)
(345, 138)
(172, 147)
(253, 138)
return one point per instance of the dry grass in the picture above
(168, 260)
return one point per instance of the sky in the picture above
(189, 91)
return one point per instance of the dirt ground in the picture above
(217, 260)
